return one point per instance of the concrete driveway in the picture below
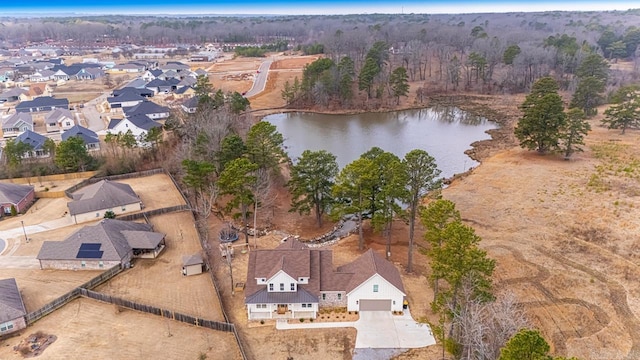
(382, 330)
(380, 334)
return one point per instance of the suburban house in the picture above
(90, 73)
(92, 201)
(146, 93)
(16, 195)
(294, 281)
(159, 86)
(138, 124)
(104, 245)
(151, 74)
(190, 106)
(43, 103)
(175, 65)
(16, 124)
(183, 92)
(36, 90)
(41, 76)
(12, 94)
(12, 310)
(59, 120)
(90, 138)
(125, 99)
(148, 108)
(36, 141)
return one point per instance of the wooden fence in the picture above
(51, 306)
(64, 299)
(145, 214)
(55, 177)
(207, 262)
(94, 180)
(215, 325)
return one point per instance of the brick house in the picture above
(12, 310)
(19, 196)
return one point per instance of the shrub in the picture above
(24, 350)
(301, 319)
(14, 211)
(310, 319)
(46, 189)
(261, 322)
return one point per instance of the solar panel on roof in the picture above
(90, 246)
(89, 251)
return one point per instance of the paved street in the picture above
(91, 114)
(260, 80)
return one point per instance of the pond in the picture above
(444, 132)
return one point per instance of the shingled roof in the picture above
(369, 264)
(11, 304)
(13, 193)
(117, 238)
(102, 195)
(298, 260)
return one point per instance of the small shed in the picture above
(192, 265)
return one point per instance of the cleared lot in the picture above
(159, 282)
(88, 329)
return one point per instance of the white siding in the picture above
(385, 291)
(281, 277)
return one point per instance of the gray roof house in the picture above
(36, 141)
(190, 106)
(42, 103)
(106, 244)
(293, 281)
(90, 138)
(12, 94)
(91, 202)
(17, 195)
(59, 120)
(12, 310)
(16, 124)
(148, 108)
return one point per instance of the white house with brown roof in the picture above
(294, 281)
(12, 310)
(91, 202)
(106, 244)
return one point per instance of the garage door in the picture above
(375, 305)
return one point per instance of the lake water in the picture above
(445, 133)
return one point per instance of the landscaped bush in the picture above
(301, 319)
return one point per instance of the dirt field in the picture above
(39, 287)
(155, 191)
(281, 71)
(88, 328)
(192, 295)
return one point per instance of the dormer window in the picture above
(293, 286)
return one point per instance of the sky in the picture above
(293, 7)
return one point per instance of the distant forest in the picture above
(483, 52)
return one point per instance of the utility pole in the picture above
(26, 239)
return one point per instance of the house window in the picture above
(375, 288)
(261, 306)
(281, 286)
(97, 214)
(6, 326)
(83, 264)
(124, 208)
(304, 306)
(324, 296)
(293, 286)
(270, 287)
(101, 264)
(339, 296)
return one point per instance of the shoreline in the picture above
(500, 137)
